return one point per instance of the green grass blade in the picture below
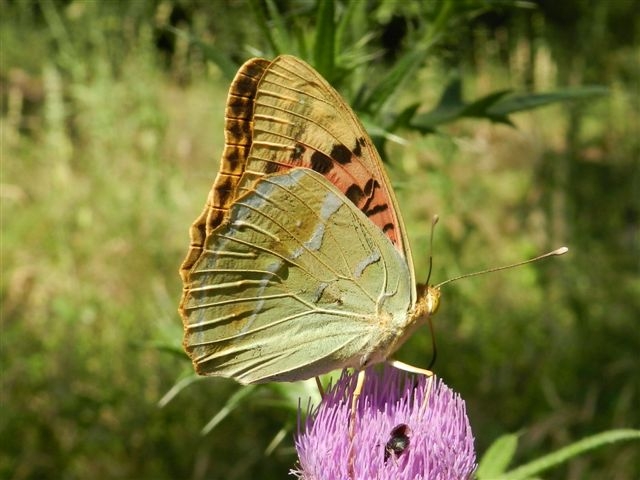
(348, 20)
(481, 108)
(521, 102)
(497, 458)
(392, 81)
(233, 402)
(448, 109)
(177, 388)
(578, 448)
(271, 24)
(324, 52)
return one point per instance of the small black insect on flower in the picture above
(398, 441)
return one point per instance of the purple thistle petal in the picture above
(440, 441)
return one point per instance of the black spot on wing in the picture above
(298, 152)
(238, 129)
(225, 184)
(245, 86)
(357, 149)
(271, 167)
(370, 186)
(255, 68)
(341, 154)
(376, 209)
(387, 227)
(239, 107)
(233, 156)
(224, 190)
(355, 194)
(321, 163)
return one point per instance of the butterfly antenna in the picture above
(434, 222)
(434, 348)
(559, 251)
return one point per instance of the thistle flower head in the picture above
(398, 435)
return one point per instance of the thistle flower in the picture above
(397, 434)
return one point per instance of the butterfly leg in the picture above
(410, 368)
(352, 421)
(425, 401)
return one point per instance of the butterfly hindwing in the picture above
(295, 283)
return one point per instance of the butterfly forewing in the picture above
(283, 114)
(300, 120)
(295, 283)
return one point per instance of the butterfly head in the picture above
(428, 300)
(432, 300)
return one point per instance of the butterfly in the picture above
(299, 263)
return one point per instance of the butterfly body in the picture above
(299, 263)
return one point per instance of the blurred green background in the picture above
(111, 137)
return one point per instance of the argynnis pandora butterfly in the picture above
(299, 263)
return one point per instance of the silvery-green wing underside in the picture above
(297, 282)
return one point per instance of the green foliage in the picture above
(497, 457)
(433, 20)
(112, 124)
(493, 464)
(496, 106)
